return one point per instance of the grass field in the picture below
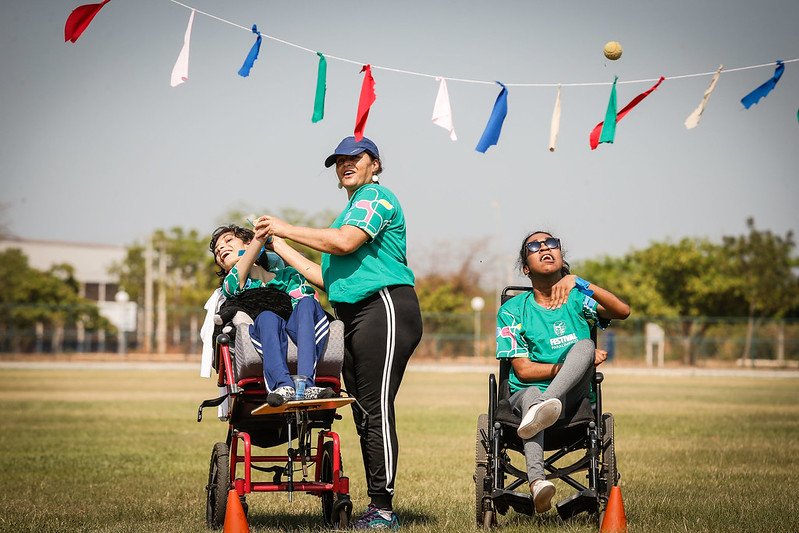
(120, 451)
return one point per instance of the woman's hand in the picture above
(269, 226)
(600, 356)
(560, 291)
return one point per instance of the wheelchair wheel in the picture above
(484, 512)
(218, 486)
(608, 474)
(334, 515)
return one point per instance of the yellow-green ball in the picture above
(612, 50)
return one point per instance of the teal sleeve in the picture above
(230, 285)
(510, 340)
(371, 212)
(589, 311)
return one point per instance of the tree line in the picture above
(752, 276)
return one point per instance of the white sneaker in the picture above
(539, 417)
(542, 495)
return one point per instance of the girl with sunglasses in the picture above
(546, 334)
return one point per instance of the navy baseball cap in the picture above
(349, 146)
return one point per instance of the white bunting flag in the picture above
(180, 72)
(554, 128)
(693, 119)
(442, 113)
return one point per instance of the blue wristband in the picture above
(582, 286)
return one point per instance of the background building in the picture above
(92, 263)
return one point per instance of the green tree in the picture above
(191, 274)
(765, 268)
(685, 280)
(190, 267)
(52, 298)
(446, 293)
(752, 275)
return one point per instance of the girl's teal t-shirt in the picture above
(526, 329)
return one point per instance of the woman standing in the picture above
(546, 334)
(365, 273)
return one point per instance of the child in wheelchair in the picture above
(280, 303)
(545, 333)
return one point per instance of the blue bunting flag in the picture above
(494, 127)
(244, 71)
(761, 92)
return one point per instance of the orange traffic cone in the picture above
(235, 520)
(615, 520)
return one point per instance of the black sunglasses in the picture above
(534, 246)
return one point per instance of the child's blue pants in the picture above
(307, 326)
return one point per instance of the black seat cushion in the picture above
(570, 425)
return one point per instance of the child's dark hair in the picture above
(245, 234)
(522, 259)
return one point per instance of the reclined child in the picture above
(237, 252)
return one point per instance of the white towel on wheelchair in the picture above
(207, 332)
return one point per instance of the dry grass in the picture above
(120, 451)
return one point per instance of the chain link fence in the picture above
(640, 340)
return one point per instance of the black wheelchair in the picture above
(580, 441)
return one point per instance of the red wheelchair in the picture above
(310, 463)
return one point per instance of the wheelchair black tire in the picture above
(609, 473)
(341, 520)
(484, 513)
(218, 486)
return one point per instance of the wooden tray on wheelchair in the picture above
(301, 405)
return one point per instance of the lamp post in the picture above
(477, 304)
(122, 298)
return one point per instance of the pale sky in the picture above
(97, 147)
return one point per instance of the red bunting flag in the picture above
(79, 20)
(367, 98)
(594, 139)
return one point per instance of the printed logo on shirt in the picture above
(561, 342)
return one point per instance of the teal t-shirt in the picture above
(286, 279)
(526, 329)
(381, 260)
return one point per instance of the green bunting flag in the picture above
(321, 88)
(609, 125)
(594, 139)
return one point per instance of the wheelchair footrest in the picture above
(520, 502)
(585, 500)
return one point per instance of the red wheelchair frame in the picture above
(256, 424)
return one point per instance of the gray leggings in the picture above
(570, 386)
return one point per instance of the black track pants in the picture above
(380, 335)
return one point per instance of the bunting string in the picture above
(604, 132)
(483, 82)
